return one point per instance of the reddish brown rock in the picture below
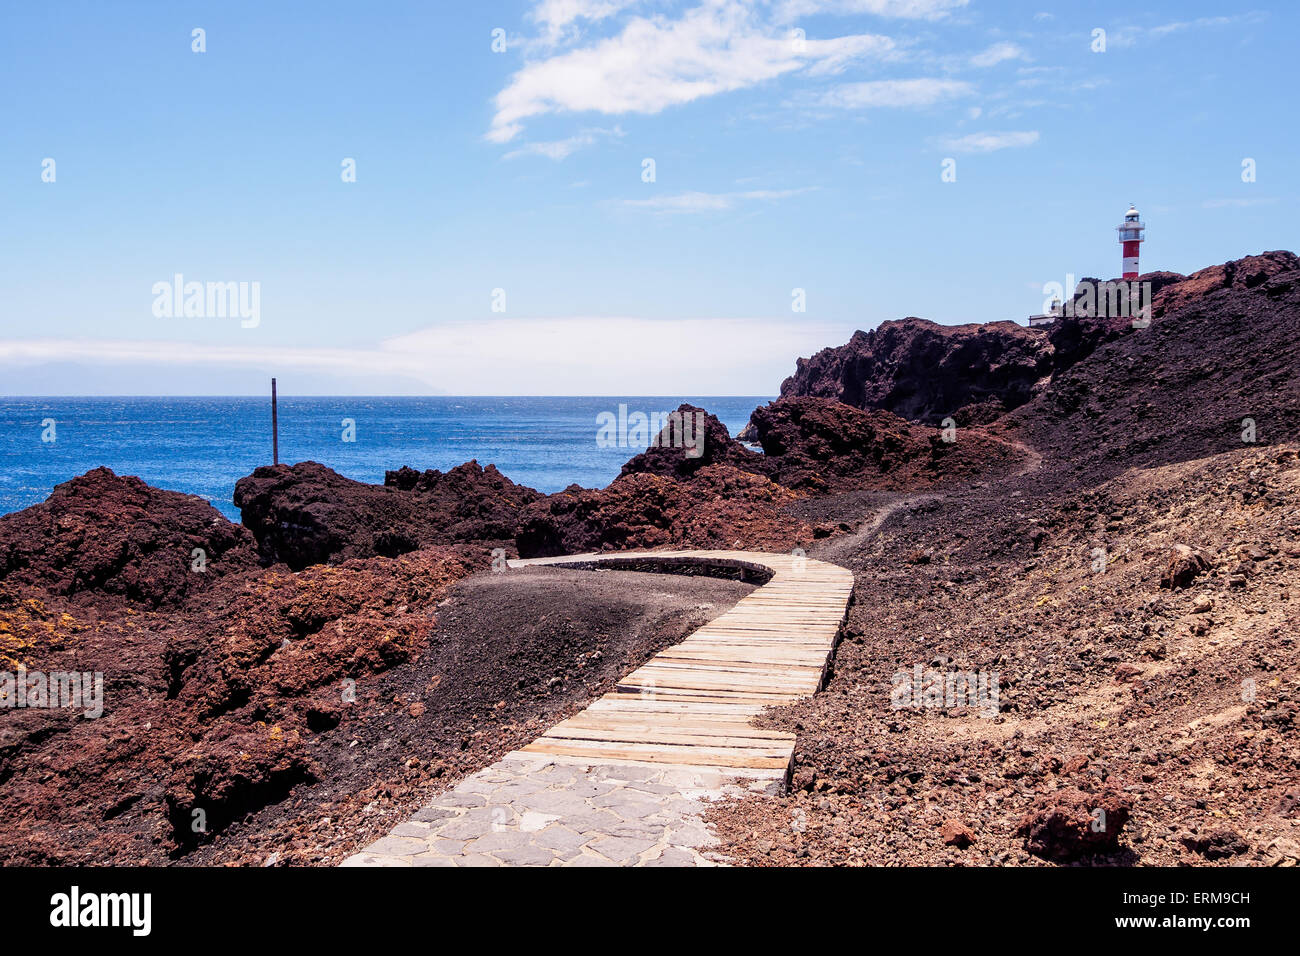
(1250, 272)
(925, 371)
(309, 514)
(1070, 823)
(817, 445)
(955, 833)
(1185, 564)
(683, 447)
(1216, 844)
(120, 538)
(720, 507)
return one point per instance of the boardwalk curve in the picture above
(625, 781)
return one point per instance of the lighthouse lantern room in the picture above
(1131, 233)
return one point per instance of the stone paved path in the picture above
(625, 782)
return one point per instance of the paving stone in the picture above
(464, 829)
(531, 821)
(629, 808)
(619, 849)
(374, 859)
(592, 821)
(499, 840)
(633, 774)
(447, 847)
(650, 789)
(432, 859)
(560, 838)
(672, 856)
(476, 859)
(554, 801)
(692, 835)
(396, 846)
(431, 814)
(590, 788)
(411, 828)
(461, 798)
(528, 855)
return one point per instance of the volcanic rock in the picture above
(955, 833)
(924, 371)
(1246, 273)
(308, 514)
(1068, 824)
(669, 458)
(820, 445)
(1215, 844)
(1184, 565)
(720, 507)
(119, 537)
(1214, 372)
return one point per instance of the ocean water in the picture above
(202, 446)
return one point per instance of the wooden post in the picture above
(275, 429)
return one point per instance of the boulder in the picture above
(1070, 823)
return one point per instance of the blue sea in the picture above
(202, 446)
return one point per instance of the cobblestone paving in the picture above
(532, 811)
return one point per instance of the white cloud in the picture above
(1129, 36)
(989, 142)
(506, 356)
(697, 202)
(896, 93)
(654, 63)
(558, 14)
(559, 149)
(998, 53)
(899, 9)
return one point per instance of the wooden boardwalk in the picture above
(692, 703)
(625, 782)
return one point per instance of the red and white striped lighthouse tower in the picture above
(1131, 233)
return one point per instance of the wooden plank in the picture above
(693, 704)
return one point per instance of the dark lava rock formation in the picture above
(308, 514)
(817, 445)
(924, 371)
(118, 536)
(1066, 825)
(669, 458)
(720, 507)
(1215, 371)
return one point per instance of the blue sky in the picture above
(783, 160)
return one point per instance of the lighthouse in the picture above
(1131, 233)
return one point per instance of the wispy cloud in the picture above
(699, 202)
(892, 93)
(559, 149)
(899, 9)
(991, 142)
(559, 17)
(607, 354)
(1127, 36)
(654, 63)
(998, 53)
